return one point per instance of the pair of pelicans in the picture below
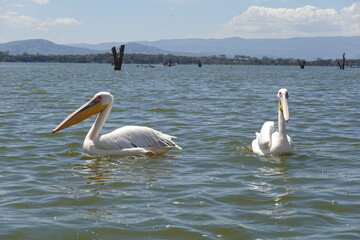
(136, 140)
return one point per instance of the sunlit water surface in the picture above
(215, 188)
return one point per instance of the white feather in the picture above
(134, 137)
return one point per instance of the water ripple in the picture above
(215, 188)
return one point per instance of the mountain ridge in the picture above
(42, 46)
(309, 48)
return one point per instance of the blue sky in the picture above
(95, 21)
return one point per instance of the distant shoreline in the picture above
(145, 59)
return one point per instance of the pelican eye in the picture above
(97, 100)
(287, 95)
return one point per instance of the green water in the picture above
(215, 188)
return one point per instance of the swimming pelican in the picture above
(128, 140)
(269, 141)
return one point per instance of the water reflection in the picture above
(275, 166)
(267, 179)
(271, 185)
(114, 189)
(113, 172)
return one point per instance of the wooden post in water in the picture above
(302, 63)
(342, 65)
(199, 63)
(118, 58)
(121, 57)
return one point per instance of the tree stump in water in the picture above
(342, 65)
(118, 57)
(302, 63)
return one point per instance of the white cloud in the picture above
(17, 20)
(39, 1)
(14, 19)
(263, 22)
(351, 19)
(16, 5)
(60, 22)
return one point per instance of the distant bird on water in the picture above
(128, 140)
(269, 141)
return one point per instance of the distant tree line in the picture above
(160, 59)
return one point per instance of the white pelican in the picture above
(128, 140)
(269, 141)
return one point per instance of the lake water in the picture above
(215, 188)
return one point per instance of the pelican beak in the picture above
(284, 107)
(89, 109)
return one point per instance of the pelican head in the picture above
(96, 105)
(283, 96)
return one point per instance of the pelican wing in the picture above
(264, 137)
(290, 141)
(134, 137)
